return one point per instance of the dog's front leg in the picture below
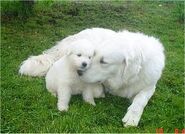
(135, 110)
(64, 95)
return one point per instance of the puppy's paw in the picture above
(91, 102)
(63, 108)
(131, 119)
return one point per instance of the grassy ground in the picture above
(27, 106)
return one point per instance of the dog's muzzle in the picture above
(80, 72)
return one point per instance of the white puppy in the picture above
(39, 65)
(62, 78)
(129, 65)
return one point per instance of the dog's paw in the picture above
(63, 108)
(91, 102)
(131, 119)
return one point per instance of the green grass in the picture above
(26, 106)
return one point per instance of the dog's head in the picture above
(109, 60)
(115, 59)
(80, 54)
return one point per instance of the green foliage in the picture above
(179, 11)
(28, 108)
(22, 9)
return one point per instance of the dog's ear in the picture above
(124, 67)
(125, 62)
(68, 53)
(131, 67)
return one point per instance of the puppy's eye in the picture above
(79, 55)
(89, 57)
(102, 61)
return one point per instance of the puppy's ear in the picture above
(68, 50)
(68, 53)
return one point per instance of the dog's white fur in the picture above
(62, 78)
(39, 65)
(135, 62)
(129, 65)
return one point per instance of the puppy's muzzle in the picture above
(80, 72)
(84, 64)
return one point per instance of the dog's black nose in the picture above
(80, 72)
(84, 64)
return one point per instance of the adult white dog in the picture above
(128, 64)
(62, 78)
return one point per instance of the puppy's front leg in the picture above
(64, 95)
(135, 110)
(88, 96)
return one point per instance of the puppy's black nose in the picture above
(84, 64)
(80, 72)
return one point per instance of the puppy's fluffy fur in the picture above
(62, 78)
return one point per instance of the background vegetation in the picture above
(28, 29)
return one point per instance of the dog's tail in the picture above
(36, 65)
(39, 65)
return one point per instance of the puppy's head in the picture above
(80, 54)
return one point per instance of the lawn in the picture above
(26, 106)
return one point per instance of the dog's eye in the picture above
(102, 61)
(79, 55)
(89, 57)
